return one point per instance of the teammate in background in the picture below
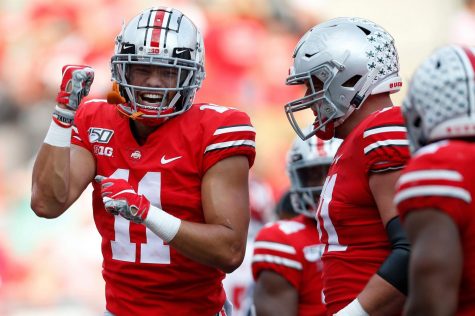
(284, 208)
(350, 67)
(171, 197)
(436, 190)
(286, 264)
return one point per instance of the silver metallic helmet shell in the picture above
(353, 58)
(440, 102)
(308, 162)
(162, 37)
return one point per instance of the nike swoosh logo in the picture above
(181, 51)
(165, 161)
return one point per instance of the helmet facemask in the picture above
(177, 86)
(316, 99)
(166, 43)
(307, 186)
(308, 163)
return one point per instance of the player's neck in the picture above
(372, 103)
(141, 131)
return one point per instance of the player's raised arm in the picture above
(61, 171)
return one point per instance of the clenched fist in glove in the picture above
(121, 199)
(75, 85)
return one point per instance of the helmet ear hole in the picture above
(350, 83)
(417, 122)
(365, 30)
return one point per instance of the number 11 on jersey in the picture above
(154, 250)
(324, 221)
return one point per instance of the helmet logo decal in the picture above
(156, 35)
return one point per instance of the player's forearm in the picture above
(381, 298)
(50, 181)
(210, 244)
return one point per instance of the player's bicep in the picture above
(82, 171)
(274, 295)
(382, 186)
(225, 194)
(436, 256)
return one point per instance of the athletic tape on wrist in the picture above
(352, 309)
(164, 225)
(63, 117)
(58, 136)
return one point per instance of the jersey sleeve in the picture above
(273, 251)
(229, 133)
(433, 182)
(79, 135)
(385, 143)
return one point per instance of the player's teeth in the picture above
(151, 96)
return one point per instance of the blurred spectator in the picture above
(463, 24)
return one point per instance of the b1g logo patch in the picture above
(103, 151)
(99, 135)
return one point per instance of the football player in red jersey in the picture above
(286, 263)
(170, 196)
(350, 67)
(436, 190)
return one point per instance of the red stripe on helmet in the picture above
(157, 29)
(470, 56)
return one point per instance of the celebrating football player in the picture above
(170, 177)
(350, 67)
(436, 190)
(286, 264)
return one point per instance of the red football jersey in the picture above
(291, 249)
(145, 276)
(349, 224)
(441, 176)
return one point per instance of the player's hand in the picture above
(120, 198)
(75, 85)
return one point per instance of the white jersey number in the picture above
(154, 250)
(323, 214)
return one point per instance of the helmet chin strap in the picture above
(340, 120)
(114, 96)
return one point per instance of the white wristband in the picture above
(352, 309)
(58, 136)
(162, 224)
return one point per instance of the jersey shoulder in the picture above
(383, 138)
(95, 120)
(225, 132)
(280, 231)
(439, 176)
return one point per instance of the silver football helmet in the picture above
(166, 38)
(308, 163)
(342, 62)
(440, 102)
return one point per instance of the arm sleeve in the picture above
(395, 268)
(435, 181)
(273, 252)
(79, 135)
(385, 143)
(229, 134)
